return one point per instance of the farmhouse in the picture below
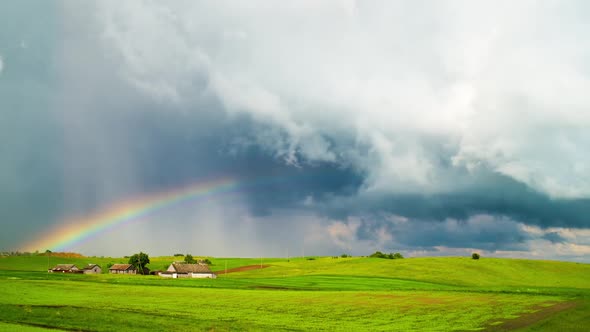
(182, 270)
(64, 268)
(92, 269)
(122, 269)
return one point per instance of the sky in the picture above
(423, 127)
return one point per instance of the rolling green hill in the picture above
(459, 271)
(323, 293)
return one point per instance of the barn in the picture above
(92, 269)
(122, 269)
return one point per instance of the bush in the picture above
(345, 256)
(189, 259)
(379, 254)
(475, 255)
(178, 255)
(311, 259)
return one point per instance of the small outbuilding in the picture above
(122, 269)
(92, 269)
(64, 268)
(183, 270)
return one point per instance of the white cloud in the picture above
(393, 84)
(343, 234)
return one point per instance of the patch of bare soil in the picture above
(531, 318)
(63, 254)
(242, 268)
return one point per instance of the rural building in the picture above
(183, 270)
(123, 269)
(64, 268)
(92, 269)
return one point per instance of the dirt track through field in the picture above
(531, 318)
(242, 268)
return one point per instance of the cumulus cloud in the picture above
(498, 86)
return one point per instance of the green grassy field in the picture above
(344, 294)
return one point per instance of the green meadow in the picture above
(319, 293)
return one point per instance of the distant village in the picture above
(175, 270)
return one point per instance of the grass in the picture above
(443, 270)
(418, 294)
(144, 307)
(21, 328)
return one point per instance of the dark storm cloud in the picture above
(496, 195)
(184, 148)
(554, 237)
(484, 232)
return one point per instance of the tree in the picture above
(378, 254)
(189, 259)
(475, 255)
(139, 261)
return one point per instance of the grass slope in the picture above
(167, 308)
(457, 271)
(436, 294)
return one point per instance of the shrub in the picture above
(345, 255)
(379, 254)
(475, 255)
(189, 259)
(178, 255)
(311, 259)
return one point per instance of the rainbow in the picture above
(77, 230)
